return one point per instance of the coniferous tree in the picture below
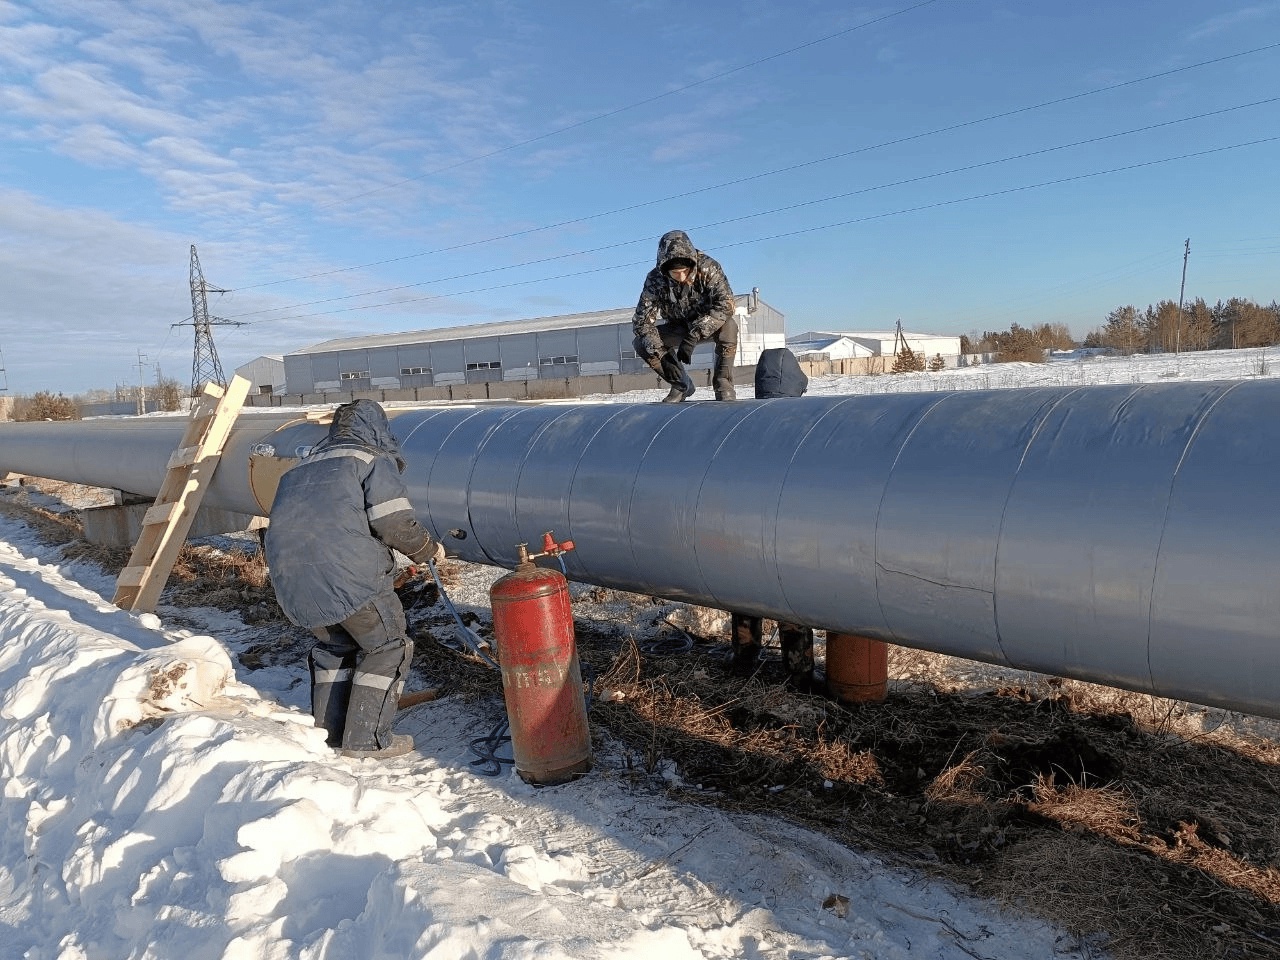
(907, 361)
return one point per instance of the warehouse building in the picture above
(847, 344)
(265, 374)
(580, 344)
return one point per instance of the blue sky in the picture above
(347, 168)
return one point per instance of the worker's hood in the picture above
(676, 245)
(362, 423)
(778, 374)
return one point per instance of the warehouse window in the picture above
(414, 371)
(485, 365)
(355, 375)
(552, 361)
(628, 354)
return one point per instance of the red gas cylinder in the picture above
(541, 680)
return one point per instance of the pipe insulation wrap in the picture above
(1120, 534)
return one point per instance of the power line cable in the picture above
(764, 213)
(770, 173)
(802, 231)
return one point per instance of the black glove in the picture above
(684, 353)
(672, 371)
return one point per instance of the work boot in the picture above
(401, 743)
(682, 387)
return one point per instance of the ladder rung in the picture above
(132, 576)
(183, 457)
(159, 513)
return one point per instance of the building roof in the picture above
(814, 340)
(476, 331)
(869, 335)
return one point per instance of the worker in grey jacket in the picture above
(688, 292)
(336, 518)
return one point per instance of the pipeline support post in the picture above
(857, 668)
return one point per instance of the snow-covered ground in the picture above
(159, 805)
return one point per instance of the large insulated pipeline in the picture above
(1120, 534)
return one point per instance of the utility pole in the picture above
(205, 367)
(142, 384)
(1177, 338)
(4, 377)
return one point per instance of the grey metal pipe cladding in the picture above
(1121, 534)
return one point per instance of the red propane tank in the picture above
(541, 680)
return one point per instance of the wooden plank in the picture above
(183, 489)
(131, 576)
(160, 513)
(183, 457)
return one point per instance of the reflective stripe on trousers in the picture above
(358, 668)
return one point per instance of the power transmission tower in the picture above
(4, 377)
(142, 383)
(205, 367)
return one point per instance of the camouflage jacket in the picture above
(702, 306)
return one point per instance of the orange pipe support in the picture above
(857, 668)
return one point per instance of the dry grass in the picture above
(1100, 810)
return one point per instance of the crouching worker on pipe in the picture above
(336, 518)
(688, 291)
(778, 374)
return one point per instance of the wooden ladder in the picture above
(166, 522)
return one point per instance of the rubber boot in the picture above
(722, 379)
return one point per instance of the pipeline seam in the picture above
(884, 492)
(1004, 510)
(782, 489)
(697, 501)
(529, 449)
(1164, 526)
(471, 471)
(573, 477)
(635, 477)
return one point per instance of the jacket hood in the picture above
(363, 423)
(778, 374)
(676, 245)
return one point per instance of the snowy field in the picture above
(160, 804)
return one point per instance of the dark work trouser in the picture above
(796, 641)
(358, 668)
(726, 342)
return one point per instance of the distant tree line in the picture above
(1226, 325)
(1019, 342)
(1161, 328)
(165, 394)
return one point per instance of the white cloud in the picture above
(1225, 22)
(26, 46)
